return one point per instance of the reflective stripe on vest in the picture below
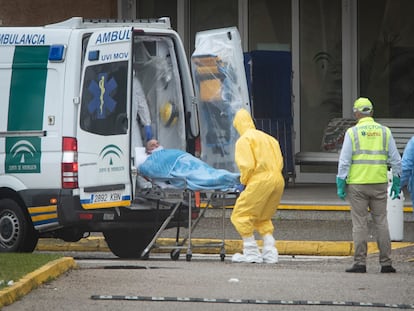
(369, 153)
(359, 151)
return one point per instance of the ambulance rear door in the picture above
(103, 131)
(221, 89)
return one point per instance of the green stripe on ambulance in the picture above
(26, 106)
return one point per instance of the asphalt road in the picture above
(102, 282)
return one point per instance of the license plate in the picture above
(106, 197)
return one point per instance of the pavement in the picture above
(311, 220)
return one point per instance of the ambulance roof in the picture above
(79, 23)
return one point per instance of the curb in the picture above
(212, 246)
(32, 280)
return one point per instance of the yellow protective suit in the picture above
(260, 161)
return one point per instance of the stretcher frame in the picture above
(177, 197)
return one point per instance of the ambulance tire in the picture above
(128, 243)
(16, 231)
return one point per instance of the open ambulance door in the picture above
(221, 89)
(103, 127)
(162, 95)
(158, 90)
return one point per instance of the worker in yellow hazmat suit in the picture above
(260, 161)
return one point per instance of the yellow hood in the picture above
(243, 121)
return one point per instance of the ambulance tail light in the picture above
(69, 163)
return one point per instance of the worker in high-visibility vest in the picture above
(368, 149)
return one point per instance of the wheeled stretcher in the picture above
(187, 198)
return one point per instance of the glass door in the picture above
(318, 74)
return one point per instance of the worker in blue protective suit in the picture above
(367, 150)
(407, 164)
(260, 161)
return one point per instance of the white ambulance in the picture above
(76, 100)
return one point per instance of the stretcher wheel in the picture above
(188, 257)
(222, 253)
(175, 254)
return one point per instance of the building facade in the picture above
(340, 50)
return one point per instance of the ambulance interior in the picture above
(159, 97)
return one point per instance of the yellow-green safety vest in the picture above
(370, 142)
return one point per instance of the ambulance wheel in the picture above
(16, 231)
(128, 243)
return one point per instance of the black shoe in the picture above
(357, 269)
(388, 269)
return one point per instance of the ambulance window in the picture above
(85, 41)
(103, 108)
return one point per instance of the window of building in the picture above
(270, 25)
(158, 8)
(205, 15)
(386, 56)
(320, 40)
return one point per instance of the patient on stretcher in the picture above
(182, 170)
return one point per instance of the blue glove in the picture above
(239, 187)
(148, 132)
(395, 188)
(340, 188)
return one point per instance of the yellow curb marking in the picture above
(311, 207)
(212, 246)
(32, 280)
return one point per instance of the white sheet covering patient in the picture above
(183, 170)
